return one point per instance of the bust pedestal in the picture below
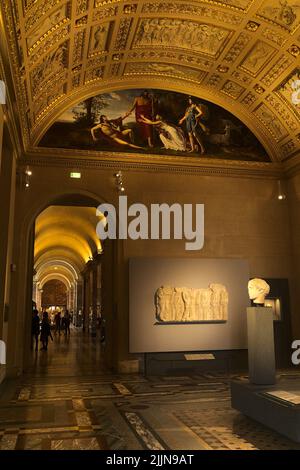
(261, 353)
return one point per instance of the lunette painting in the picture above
(154, 122)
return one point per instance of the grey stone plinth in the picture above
(261, 354)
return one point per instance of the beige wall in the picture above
(243, 219)
(7, 198)
(294, 206)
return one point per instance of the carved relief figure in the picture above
(99, 36)
(184, 305)
(52, 64)
(52, 20)
(259, 55)
(181, 33)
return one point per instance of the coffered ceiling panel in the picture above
(242, 55)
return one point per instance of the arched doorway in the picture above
(63, 246)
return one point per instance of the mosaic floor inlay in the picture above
(67, 400)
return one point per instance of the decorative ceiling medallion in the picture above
(294, 50)
(252, 26)
(259, 89)
(222, 68)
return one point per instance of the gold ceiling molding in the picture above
(239, 54)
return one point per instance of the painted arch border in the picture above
(179, 86)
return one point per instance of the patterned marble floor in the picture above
(68, 401)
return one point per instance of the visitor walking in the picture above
(67, 321)
(35, 329)
(45, 331)
(57, 321)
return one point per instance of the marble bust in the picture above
(258, 289)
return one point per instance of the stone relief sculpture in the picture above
(258, 289)
(181, 33)
(49, 21)
(184, 305)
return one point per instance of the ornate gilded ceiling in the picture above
(240, 54)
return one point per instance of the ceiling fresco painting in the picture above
(241, 56)
(154, 122)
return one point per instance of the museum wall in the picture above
(199, 307)
(7, 207)
(293, 196)
(243, 219)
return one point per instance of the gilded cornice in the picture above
(154, 163)
(11, 117)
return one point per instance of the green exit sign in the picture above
(75, 175)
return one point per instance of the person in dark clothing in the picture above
(58, 323)
(35, 329)
(45, 331)
(67, 321)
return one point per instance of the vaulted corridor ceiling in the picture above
(65, 240)
(240, 54)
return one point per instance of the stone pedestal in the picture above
(261, 354)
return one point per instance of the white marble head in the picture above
(258, 289)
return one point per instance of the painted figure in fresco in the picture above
(143, 106)
(194, 126)
(111, 131)
(172, 137)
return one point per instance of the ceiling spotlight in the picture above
(26, 185)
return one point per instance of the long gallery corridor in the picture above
(68, 401)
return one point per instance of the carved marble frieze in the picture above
(183, 34)
(189, 305)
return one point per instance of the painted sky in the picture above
(118, 103)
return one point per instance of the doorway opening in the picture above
(68, 263)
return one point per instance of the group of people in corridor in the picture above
(41, 329)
